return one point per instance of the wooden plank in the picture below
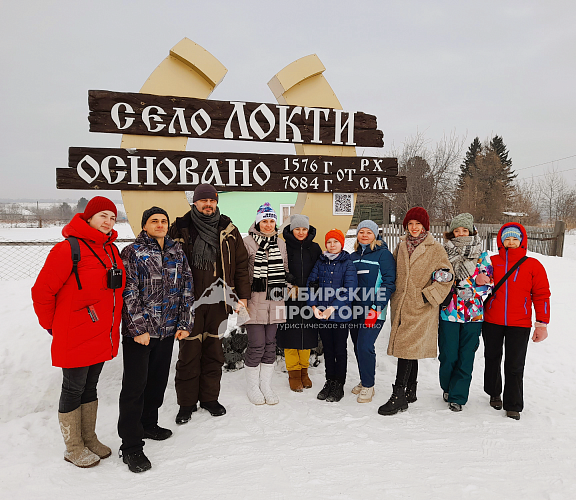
(260, 121)
(321, 165)
(257, 180)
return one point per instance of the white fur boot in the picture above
(266, 372)
(252, 385)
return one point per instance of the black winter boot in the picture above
(136, 461)
(325, 391)
(411, 393)
(185, 414)
(336, 392)
(396, 403)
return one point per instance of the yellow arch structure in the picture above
(188, 71)
(301, 83)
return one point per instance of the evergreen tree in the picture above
(81, 205)
(469, 161)
(497, 145)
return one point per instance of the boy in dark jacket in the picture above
(158, 302)
(331, 302)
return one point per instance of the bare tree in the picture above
(431, 172)
(527, 201)
(557, 198)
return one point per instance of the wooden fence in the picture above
(542, 240)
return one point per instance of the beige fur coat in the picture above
(414, 333)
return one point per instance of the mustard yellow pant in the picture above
(296, 359)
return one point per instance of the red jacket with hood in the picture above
(527, 286)
(63, 308)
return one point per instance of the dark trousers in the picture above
(457, 343)
(146, 370)
(261, 345)
(515, 342)
(199, 370)
(406, 372)
(79, 386)
(364, 339)
(334, 340)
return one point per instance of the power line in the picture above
(556, 172)
(546, 163)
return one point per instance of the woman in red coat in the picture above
(508, 318)
(82, 312)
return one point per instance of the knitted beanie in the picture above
(205, 192)
(511, 232)
(419, 214)
(368, 224)
(337, 234)
(98, 204)
(152, 211)
(299, 220)
(464, 220)
(265, 212)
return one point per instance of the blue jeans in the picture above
(364, 339)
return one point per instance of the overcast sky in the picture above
(472, 68)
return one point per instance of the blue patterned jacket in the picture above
(158, 297)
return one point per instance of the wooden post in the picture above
(558, 242)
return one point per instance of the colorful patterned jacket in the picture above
(158, 297)
(468, 306)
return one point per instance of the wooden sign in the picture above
(131, 169)
(147, 114)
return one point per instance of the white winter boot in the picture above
(266, 372)
(252, 385)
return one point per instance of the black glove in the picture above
(290, 278)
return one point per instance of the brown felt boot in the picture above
(89, 412)
(295, 380)
(306, 382)
(71, 428)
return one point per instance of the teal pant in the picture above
(457, 343)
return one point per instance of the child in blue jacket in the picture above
(376, 269)
(331, 302)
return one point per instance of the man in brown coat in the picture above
(219, 263)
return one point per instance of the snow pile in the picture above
(303, 447)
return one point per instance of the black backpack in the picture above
(75, 249)
(76, 256)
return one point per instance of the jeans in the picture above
(146, 371)
(515, 342)
(364, 339)
(334, 341)
(457, 343)
(79, 386)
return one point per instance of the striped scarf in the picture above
(268, 270)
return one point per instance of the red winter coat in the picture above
(527, 286)
(61, 307)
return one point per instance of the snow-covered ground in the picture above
(302, 447)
